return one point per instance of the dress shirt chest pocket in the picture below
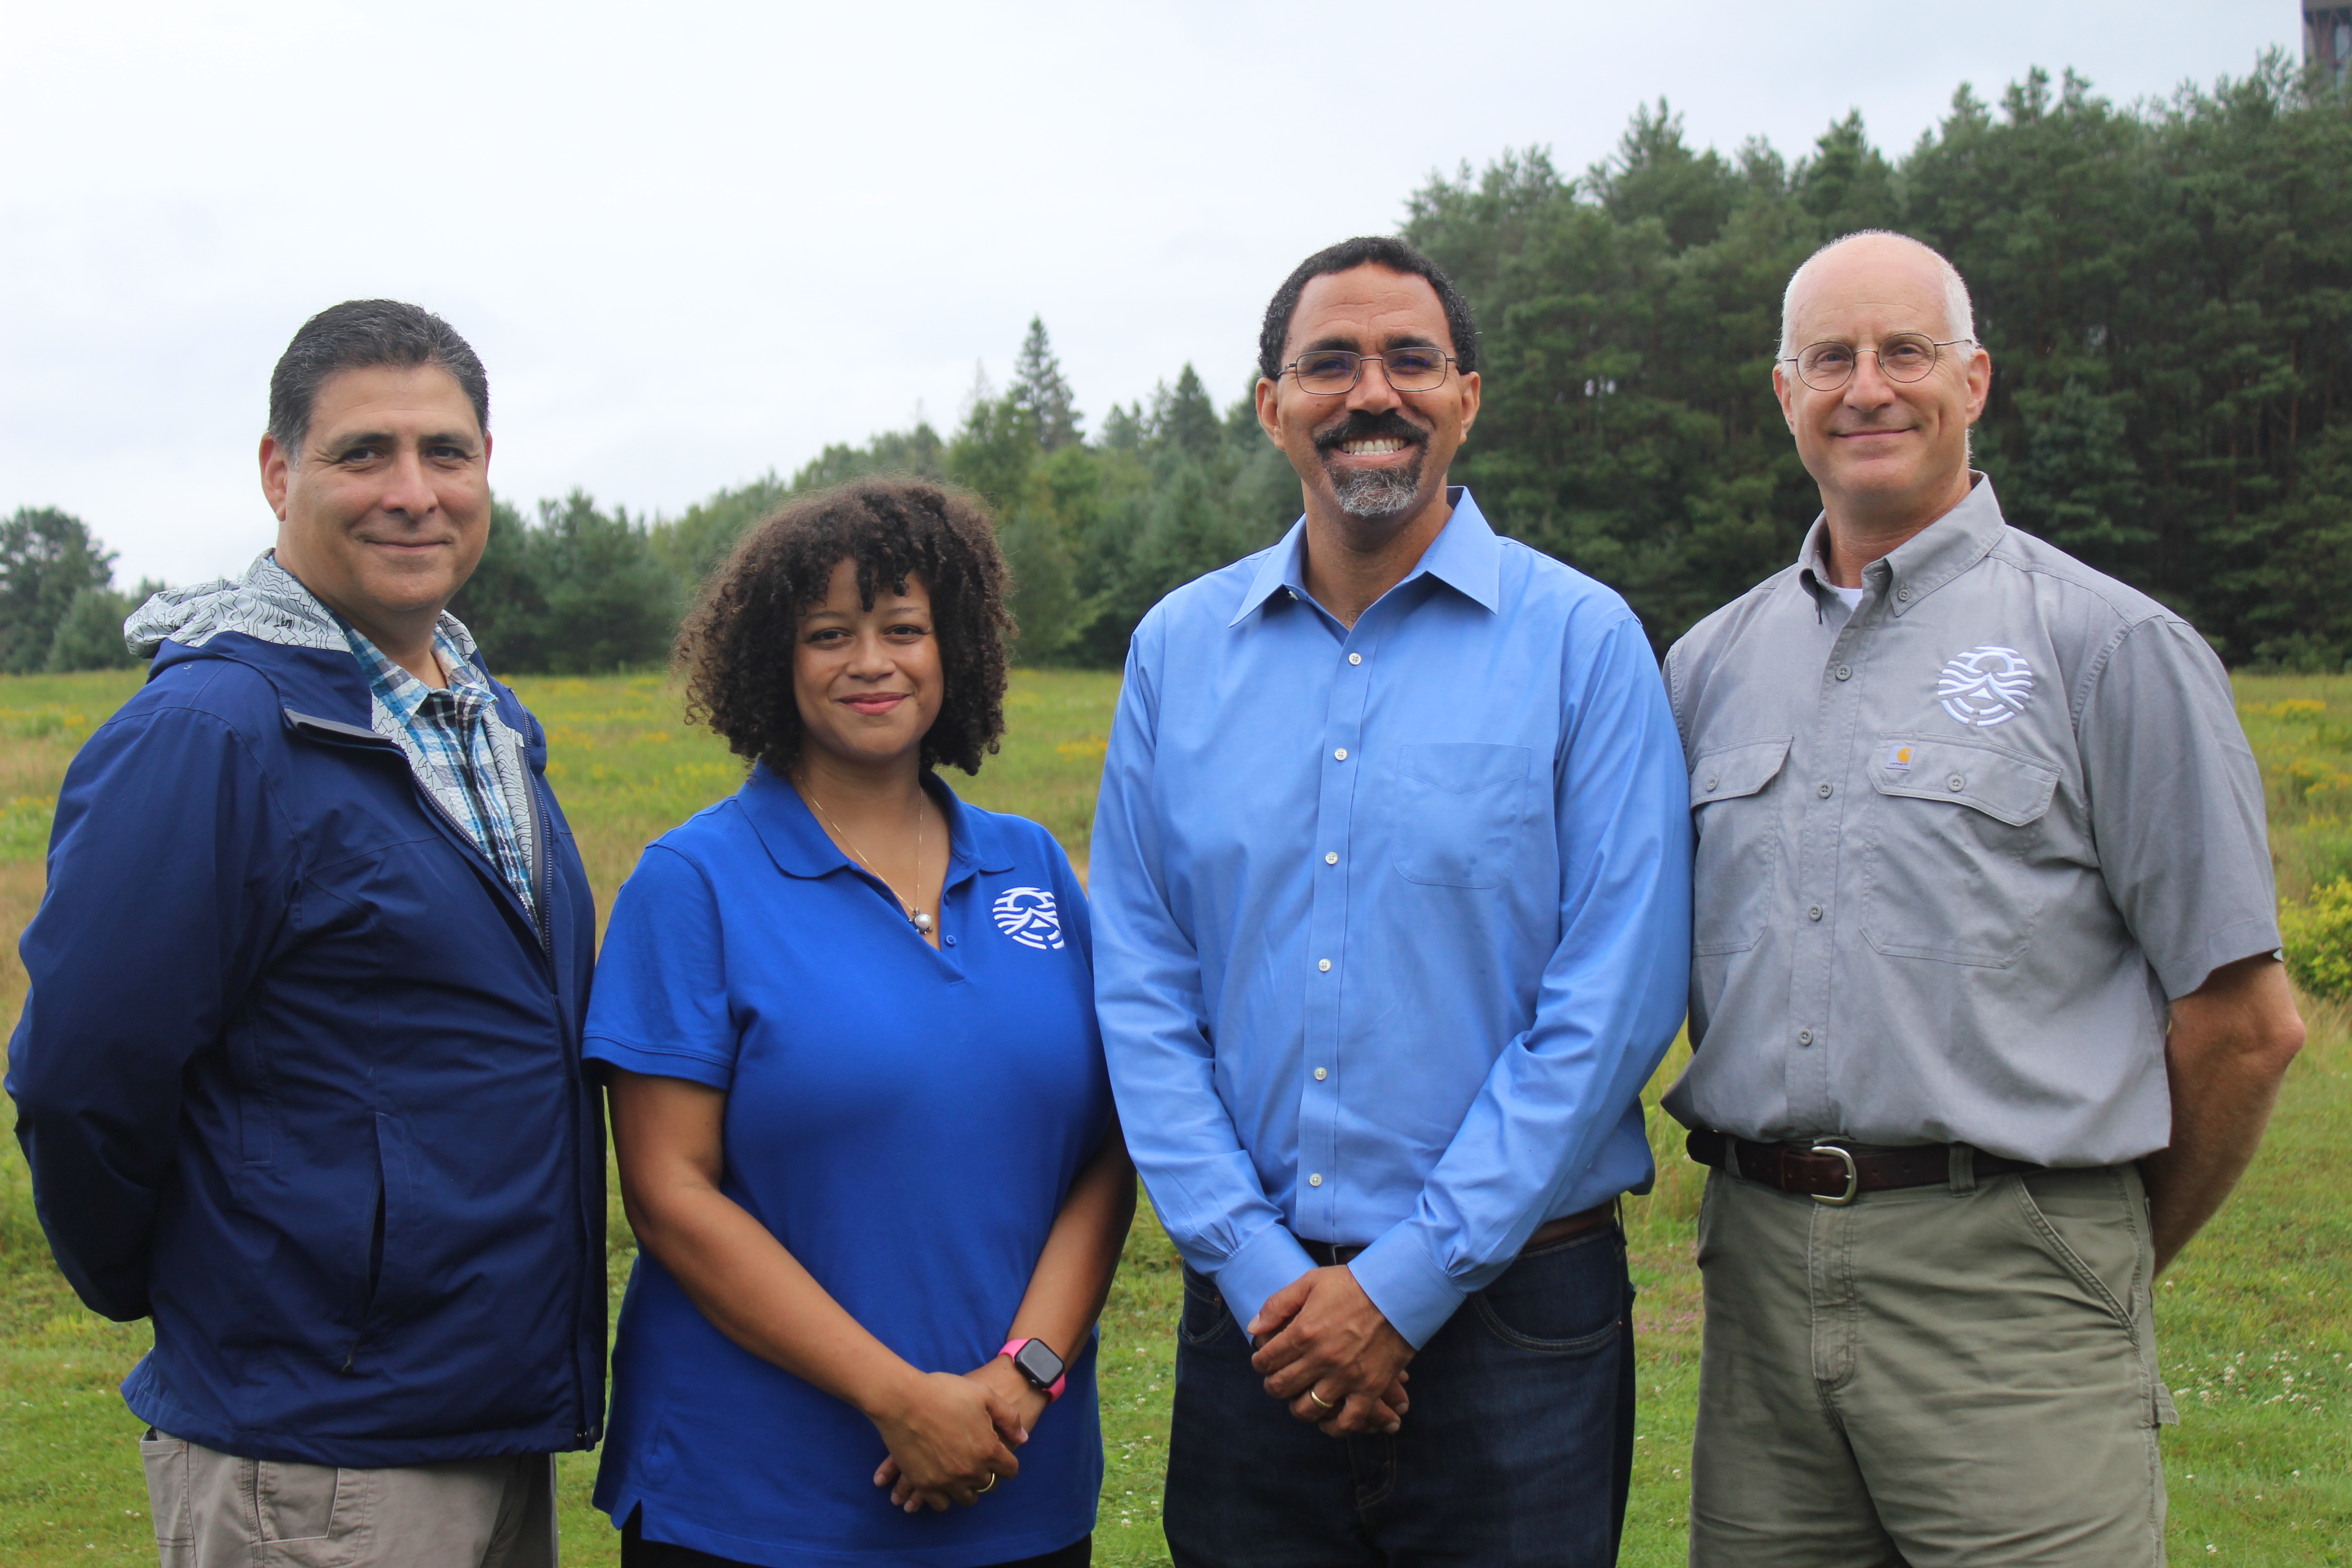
(1949, 864)
(1739, 859)
(1459, 809)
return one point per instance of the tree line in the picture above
(2164, 288)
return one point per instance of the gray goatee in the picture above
(1376, 495)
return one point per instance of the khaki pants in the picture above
(1933, 1377)
(213, 1509)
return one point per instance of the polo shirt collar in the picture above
(1923, 562)
(1465, 556)
(800, 846)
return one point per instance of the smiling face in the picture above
(383, 510)
(1370, 460)
(1886, 454)
(867, 681)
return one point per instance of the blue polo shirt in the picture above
(906, 1120)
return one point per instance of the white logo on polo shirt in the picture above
(1027, 915)
(1986, 686)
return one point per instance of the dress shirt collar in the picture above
(1465, 556)
(1923, 562)
(802, 847)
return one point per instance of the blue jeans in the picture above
(1517, 1452)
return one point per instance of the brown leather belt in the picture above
(1828, 1169)
(1329, 1256)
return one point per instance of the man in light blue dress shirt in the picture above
(1390, 874)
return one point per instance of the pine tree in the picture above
(1040, 391)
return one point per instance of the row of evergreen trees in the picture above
(2166, 290)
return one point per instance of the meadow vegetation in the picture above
(2252, 1320)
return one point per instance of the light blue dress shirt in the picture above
(1391, 923)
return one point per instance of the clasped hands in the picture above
(1326, 1350)
(952, 1438)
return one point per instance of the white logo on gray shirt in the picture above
(1986, 686)
(1027, 915)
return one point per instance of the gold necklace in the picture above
(918, 917)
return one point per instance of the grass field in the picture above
(2253, 1320)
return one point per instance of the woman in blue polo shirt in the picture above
(864, 1130)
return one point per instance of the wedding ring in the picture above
(990, 1487)
(1321, 1400)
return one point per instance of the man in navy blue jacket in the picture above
(298, 1074)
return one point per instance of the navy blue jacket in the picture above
(298, 1076)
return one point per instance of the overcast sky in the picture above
(696, 241)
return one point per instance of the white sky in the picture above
(694, 241)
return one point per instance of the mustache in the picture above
(1362, 425)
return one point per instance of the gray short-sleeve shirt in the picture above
(1957, 854)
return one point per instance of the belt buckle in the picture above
(1853, 1177)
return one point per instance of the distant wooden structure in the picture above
(2327, 37)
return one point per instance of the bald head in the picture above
(1873, 257)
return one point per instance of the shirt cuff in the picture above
(1259, 1268)
(653, 1062)
(1406, 1284)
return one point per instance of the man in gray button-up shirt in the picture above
(1977, 826)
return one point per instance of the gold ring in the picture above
(1321, 1400)
(991, 1486)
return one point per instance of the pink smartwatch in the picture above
(1038, 1365)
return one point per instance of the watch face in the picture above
(1038, 1364)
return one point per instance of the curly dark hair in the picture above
(737, 643)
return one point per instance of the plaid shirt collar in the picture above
(404, 696)
(461, 751)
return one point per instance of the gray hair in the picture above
(1959, 316)
(359, 334)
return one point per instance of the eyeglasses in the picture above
(1902, 356)
(1325, 372)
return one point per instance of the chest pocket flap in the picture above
(1726, 773)
(2004, 786)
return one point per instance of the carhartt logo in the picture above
(1027, 915)
(1898, 759)
(1986, 686)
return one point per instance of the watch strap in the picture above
(1012, 1349)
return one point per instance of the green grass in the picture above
(2261, 1467)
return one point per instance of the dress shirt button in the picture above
(1322, 1073)
(1712, 780)
(1355, 659)
(948, 940)
(1323, 964)
(1957, 780)
(1903, 594)
(1316, 1180)
(1341, 755)
(1331, 857)
(1824, 791)
(1845, 672)
(1804, 1036)
(1814, 913)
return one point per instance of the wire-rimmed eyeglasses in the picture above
(1325, 372)
(1902, 356)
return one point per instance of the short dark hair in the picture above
(736, 646)
(358, 334)
(1366, 250)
